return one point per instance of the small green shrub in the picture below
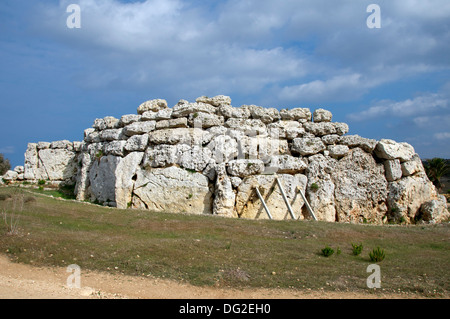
(357, 249)
(327, 251)
(377, 255)
(41, 182)
(314, 186)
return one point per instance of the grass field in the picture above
(216, 251)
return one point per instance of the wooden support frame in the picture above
(263, 202)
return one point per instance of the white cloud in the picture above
(8, 150)
(424, 104)
(442, 136)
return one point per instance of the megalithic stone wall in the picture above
(207, 157)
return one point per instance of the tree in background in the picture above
(4, 165)
(435, 169)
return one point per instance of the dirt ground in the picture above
(19, 281)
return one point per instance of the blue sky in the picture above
(389, 82)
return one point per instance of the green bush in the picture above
(41, 182)
(357, 249)
(327, 251)
(377, 255)
(4, 165)
(314, 186)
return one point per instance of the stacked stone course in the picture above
(207, 157)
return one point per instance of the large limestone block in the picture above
(64, 144)
(296, 114)
(224, 196)
(242, 112)
(245, 167)
(307, 145)
(184, 109)
(10, 175)
(137, 128)
(172, 123)
(321, 115)
(248, 126)
(266, 115)
(262, 147)
(412, 166)
(152, 105)
(360, 188)
(393, 170)
(128, 119)
(320, 188)
(217, 100)
(56, 164)
(223, 148)
(407, 195)
(163, 114)
(137, 143)
(285, 129)
(82, 181)
(205, 120)
(326, 128)
(164, 155)
(174, 190)
(108, 122)
(125, 171)
(434, 211)
(190, 136)
(31, 161)
(338, 151)
(195, 158)
(249, 206)
(389, 149)
(352, 141)
(112, 135)
(116, 148)
(102, 179)
(286, 164)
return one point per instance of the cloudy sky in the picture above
(388, 82)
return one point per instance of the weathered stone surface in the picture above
(189, 192)
(393, 170)
(112, 135)
(389, 149)
(152, 105)
(173, 123)
(128, 119)
(183, 110)
(163, 114)
(137, 128)
(195, 158)
(205, 120)
(296, 114)
(266, 115)
(331, 139)
(407, 195)
(412, 166)
(223, 148)
(31, 161)
(337, 151)
(216, 100)
(326, 128)
(10, 175)
(249, 206)
(285, 129)
(114, 148)
(56, 164)
(102, 179)
(262, 147)
(321, 115)
(64, 144)
(352, 141)
(307, 146)
(137, 143)
(320, 188)
(108, 122)
(190, 136)
(434, 211)
(242, 112)
(360, 188)
(82, 181)
(163, 155)
(224, 196)
(249, 126)
(245, 167)
(286, 164)
(124, 183)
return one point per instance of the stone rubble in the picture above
(207, 157)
